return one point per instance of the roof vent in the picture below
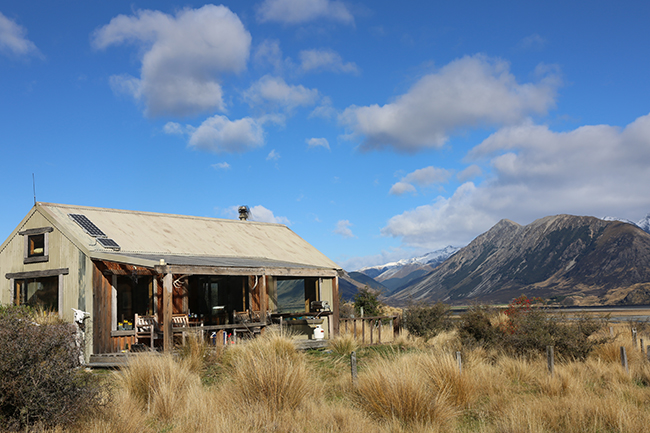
(244, 213)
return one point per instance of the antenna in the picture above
(34, 187)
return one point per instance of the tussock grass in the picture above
(265, 385)
(343, 345)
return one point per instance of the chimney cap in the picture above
(244, 213)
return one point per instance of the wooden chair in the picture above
(146, 327)
(180, 321)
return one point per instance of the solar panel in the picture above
(87, 225)
(108, 243)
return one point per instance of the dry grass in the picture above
(266, 386)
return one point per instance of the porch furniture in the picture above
(146, 327)
(180, 321)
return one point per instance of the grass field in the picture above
(407, 386)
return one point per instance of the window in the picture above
(134, 296)
(36, 244)
(38, 292)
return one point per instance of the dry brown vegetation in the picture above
(412, 385)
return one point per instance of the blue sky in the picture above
(376, 130)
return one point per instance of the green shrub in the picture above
(40, 384)
(528, 330)
(427, 321)
(368, 299)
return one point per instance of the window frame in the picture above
(30, 235)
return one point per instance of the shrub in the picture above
(427, 321)
(529, 330)
(367, 299)
(40, 384)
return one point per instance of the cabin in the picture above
(146, 279)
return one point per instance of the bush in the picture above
(367, 299)
(427, 321)
(529, 329)
(40, 384)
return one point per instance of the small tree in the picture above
(367, 299)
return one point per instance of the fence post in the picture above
(396, 326)
(353, 366)
(379, 333)
(634, 337)
(460, 363)
(624, 359)
(354, 325)
(363, 331)
(550, 359)
(372, 329)
(648, 352)
(611, 331)
(642, 346)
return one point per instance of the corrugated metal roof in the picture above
(151, 235)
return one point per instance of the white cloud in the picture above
(318, 142)
(273, 156)
(401, 188)
(532, 42)
(221, 166)
(325, 60)
(268, 52)
(183, 56)
(467, 93)
(422, 177)
(221, 135)
(343, 229)
(325, 110)
(469, 173)
(276, 92)
(261, 214)
(302, 11)
(13, 39)
(593, 170)
(174, 128)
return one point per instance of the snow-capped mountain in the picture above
(396, 274)
(643, 224)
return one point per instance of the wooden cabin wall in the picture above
(102, 311)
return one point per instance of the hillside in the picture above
(571, 259)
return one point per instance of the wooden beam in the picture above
(168, 280)
(335, 307)
(38, 274)
(37, 231)
(242, 271)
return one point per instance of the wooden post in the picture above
(354, 325)
(167, 312)
(648, 352)
(634, 337)
(624, 359)
(363, 330)
(396, 325)
(611, 331)
(459, 360)
(641, 345)
(372, 329)
(550, 359)
(379, 332)
(353, 367)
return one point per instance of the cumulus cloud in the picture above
(469, 173)
(325, 60)
(318, 142)
(261, 214)
(183, 57)
(302, 11)
(470, 92)
(422, 177)
(275, 92)
(13, 39)
(593, 170)
(343, 229)
(222, 135)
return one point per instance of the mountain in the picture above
(368, 281)
(643, 224)
(573, 259)
(398, 274)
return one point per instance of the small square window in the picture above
(36, 245)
